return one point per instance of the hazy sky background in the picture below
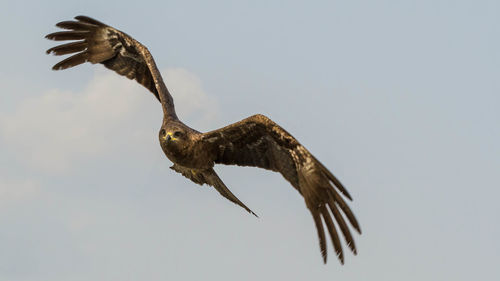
(400, 99)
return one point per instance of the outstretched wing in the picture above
(211, 178)
(100, 43)
(258, 141)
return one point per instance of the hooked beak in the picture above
(168, 136)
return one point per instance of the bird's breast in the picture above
(190, 157)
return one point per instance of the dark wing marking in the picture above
(100, 43)
(211, 178)
(259, 142)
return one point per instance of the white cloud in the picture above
(192, 103)
(59, 128)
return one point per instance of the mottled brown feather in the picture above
(258, 141)
(113, 48)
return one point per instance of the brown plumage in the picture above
(255, 141)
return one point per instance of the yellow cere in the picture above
(171, 136)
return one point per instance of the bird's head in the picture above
(173, 137)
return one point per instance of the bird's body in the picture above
(255, 141)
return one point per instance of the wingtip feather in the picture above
(89, 20)
(333, 233)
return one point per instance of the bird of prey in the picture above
(255, 141)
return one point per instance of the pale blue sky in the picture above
(400, 99)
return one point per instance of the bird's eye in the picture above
(177, 134)
(163, 132)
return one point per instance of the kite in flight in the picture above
(255, 141)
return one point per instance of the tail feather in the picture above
(210, 177)
(218, 184)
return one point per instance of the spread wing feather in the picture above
(100, 43)
(258, 141)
